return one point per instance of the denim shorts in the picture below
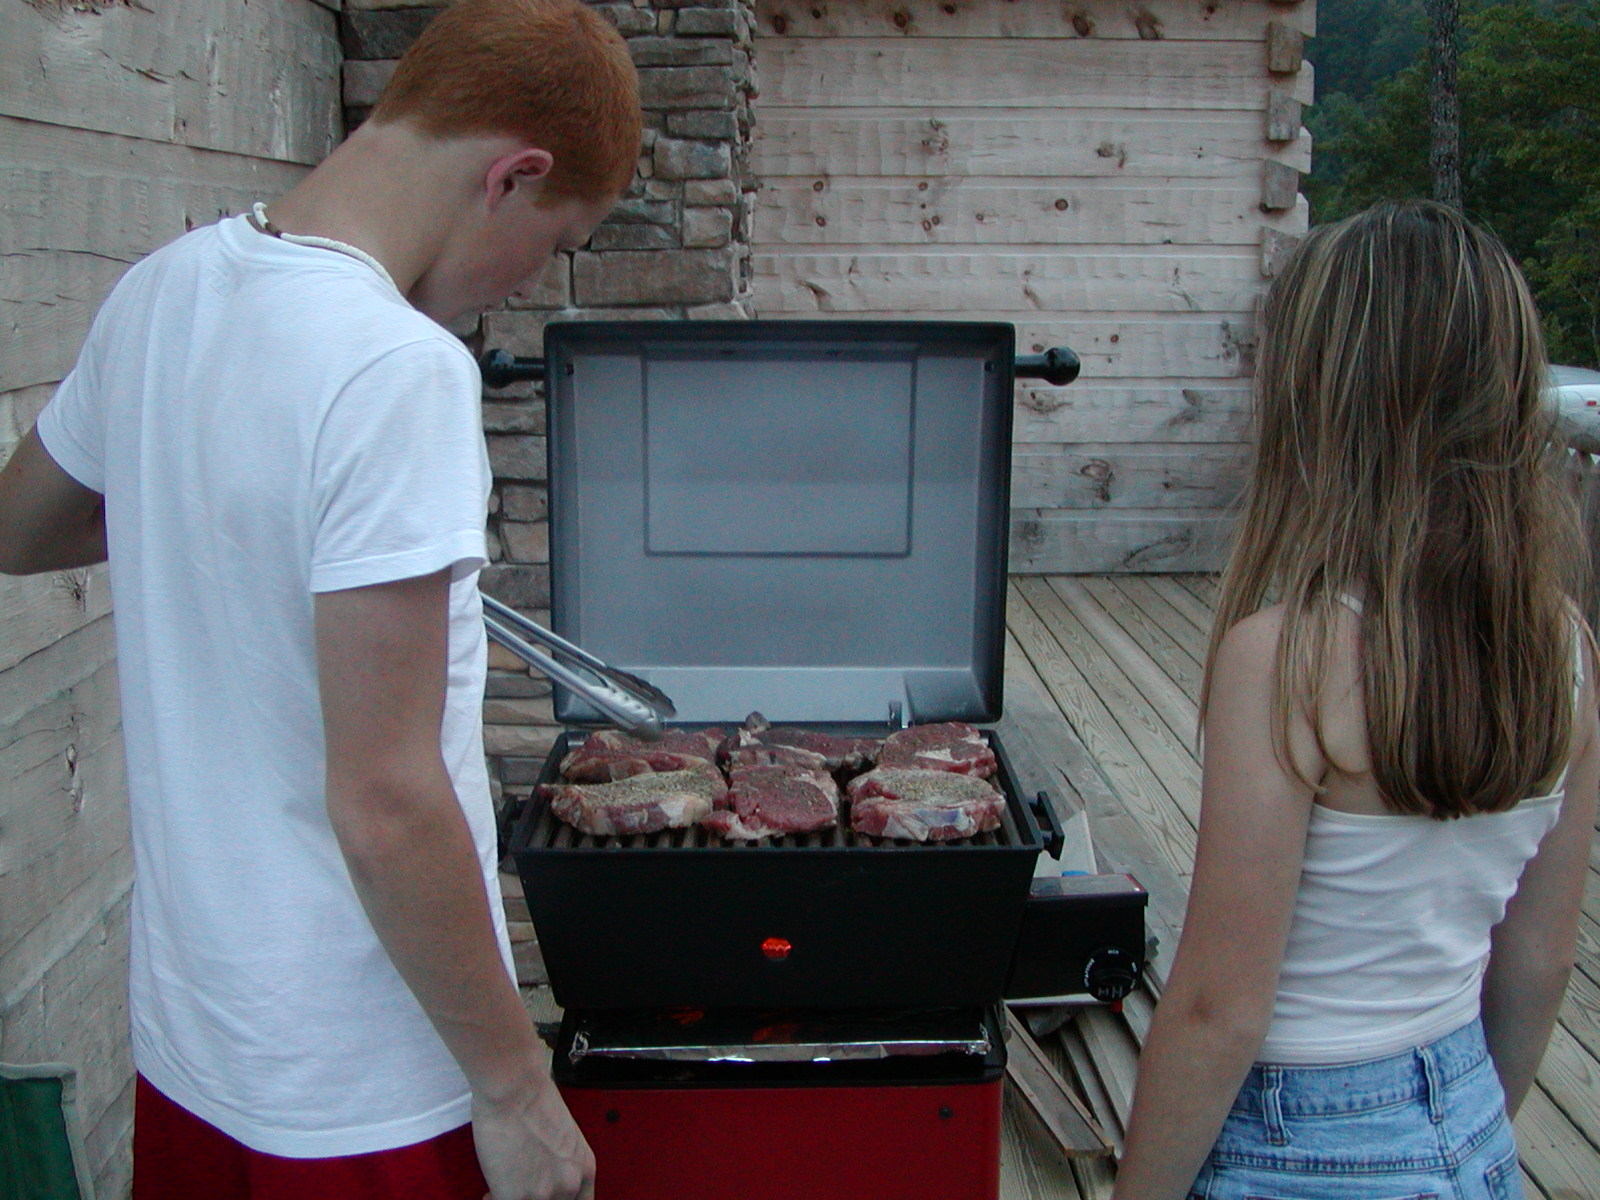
(1425, 1124)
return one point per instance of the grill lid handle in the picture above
(502, 369)
(1057, 366)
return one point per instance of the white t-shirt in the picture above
(268, 421)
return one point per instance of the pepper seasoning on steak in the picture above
(609, 754)
(645, 803)
(923, 805)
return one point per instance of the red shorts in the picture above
(177, 1156)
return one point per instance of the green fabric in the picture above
(35, 1151)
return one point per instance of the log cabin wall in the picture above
(121, 126)
(1118, 177)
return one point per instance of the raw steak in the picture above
(611, 754)
(925, 806)
(770, 801)
(643, 803)
(951, 746)
(760, 743)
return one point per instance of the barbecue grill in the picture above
(807, 519)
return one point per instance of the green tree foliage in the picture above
(1530, 115)
(1361, 43)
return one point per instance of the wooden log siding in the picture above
(121, 126)
(1099, 174)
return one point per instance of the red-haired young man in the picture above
(278, 443)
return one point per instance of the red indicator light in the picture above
(776, 948)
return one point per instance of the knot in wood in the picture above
(1101, 474)
(1148, 25)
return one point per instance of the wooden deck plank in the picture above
(1141, 591)
(1580, 1011)
(1570, 1076)
(1050, 1103)
(1115, 1053)
(1144, 794)
(1203, 588)
(1195, 613)
(1090, 1078)
(1165, 697)
(1589, 946)
(1182, 668)
(1028, 1168)
(1167, 757)
(1554, 1151)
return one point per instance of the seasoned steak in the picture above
(759, 743)
(611, 754)
(951, 746)
(643, 803)
(924, 806)
(770, 801)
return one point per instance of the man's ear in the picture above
(519, 168)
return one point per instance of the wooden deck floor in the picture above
(1102, 685)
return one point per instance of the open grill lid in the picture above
(802, 517)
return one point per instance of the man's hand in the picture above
(48, 520)
(531, 1149)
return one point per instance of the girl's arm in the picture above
(1218, 1001)
(1533, 949)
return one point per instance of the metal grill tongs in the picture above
(626, 699)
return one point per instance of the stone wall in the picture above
(677, 246)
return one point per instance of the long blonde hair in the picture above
(1404, 454)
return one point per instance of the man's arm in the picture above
(48, 520)
(381, 663)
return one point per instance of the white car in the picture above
(1577, 395)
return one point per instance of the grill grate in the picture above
(553, 834)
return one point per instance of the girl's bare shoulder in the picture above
(1327, 724)
(1341, 718)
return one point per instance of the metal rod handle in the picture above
(1057, 366)
(501, 369)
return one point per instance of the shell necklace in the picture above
(258, 220)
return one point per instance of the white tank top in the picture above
(1391, 926)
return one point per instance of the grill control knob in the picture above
(1110, 974)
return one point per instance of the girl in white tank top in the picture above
(1401, 748)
